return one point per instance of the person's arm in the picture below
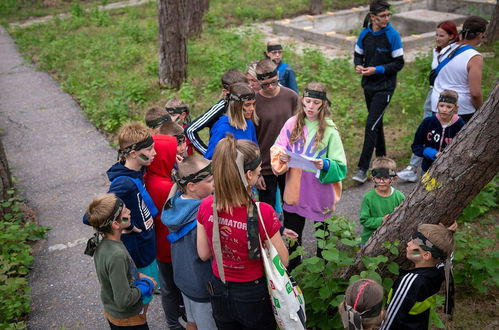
(291, 80)
(203, 245)
(418, 144)
(125, 189)
(207, 119)
(397, 53)
(217, 133)
(334, 168)
(124, 294)
(475, 66)
(278, 243)
(366, 220)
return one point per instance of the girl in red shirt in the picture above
(238, 289)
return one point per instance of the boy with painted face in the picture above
(414, 292)
(123, 289)
(179, 112)
(194, 181)
(127, 183)
(287, 76)
(436, 132)
(379, 203)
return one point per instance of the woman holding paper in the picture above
(311, 191)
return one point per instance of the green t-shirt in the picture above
(374, 208)
(116, 272)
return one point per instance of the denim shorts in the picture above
(241, 305)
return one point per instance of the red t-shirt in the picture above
(234, 239)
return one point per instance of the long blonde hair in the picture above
(235, 111)
(324, 112)
(230, 191)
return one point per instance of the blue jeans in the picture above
(241, 305)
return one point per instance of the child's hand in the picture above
(290, 233)
(179, 158)
(359, 69)
(438, 154)
(319, 163)
(385, 218)
(141, 275)
(134, 230)
(284, 158)
(369, 71)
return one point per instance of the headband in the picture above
(274, 47)
(242, 97)
(316, 95)
(177, 110)
(93, 242)
(253, 164)
(267, 75)
(194, 177)
(158, 122)
(447, 99)
(180, 138)
(147, 142)
(378, 8)
(424, 243)
(383, 172)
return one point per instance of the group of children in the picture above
(176, 223)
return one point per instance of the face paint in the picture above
(144, 157)
(125, 220)
(416, 253)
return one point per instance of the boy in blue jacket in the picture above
(437, 131)
(195, 182)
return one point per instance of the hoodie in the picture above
(158, 183)
(431, 138)
(189, 272)
(141, 246)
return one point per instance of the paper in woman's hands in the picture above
(300, 161)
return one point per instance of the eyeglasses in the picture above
(270, 83)
(382, 179)
(385, 15)
(276, 52)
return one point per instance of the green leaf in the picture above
(393, 267)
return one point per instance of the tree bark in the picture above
(455, 178)
(316, 7)
(5, 178)
(197, 8)
(492, 31)
(172, 16)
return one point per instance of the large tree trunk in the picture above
(492, 31)
(5, 178)
(197, 8)
(315, 7)
(455, 178)
(172, 15)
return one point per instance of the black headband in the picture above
(378, 8)
(242, 98)
(274, 47)
(383, 172)
(316, 95)
(194, 177)
(158, 122)
(147, 142)
(267, 75)
(177, 110)
(252, 165)
(374, 311)
(447, 99)
(427, 245)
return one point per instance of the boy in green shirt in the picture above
(379, 202)
(122, 287)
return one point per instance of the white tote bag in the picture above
(286, 297)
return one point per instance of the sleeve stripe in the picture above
(397, 299)
(199, 123)
(359, 50)
(397, 52)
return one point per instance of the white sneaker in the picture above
(409, 174)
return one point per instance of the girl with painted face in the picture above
(310, 192)
(240, 119)
(446, 36)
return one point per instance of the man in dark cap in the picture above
(378, 57)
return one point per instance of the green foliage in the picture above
(483, 202)
(15, 260)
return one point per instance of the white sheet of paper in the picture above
(300, 161)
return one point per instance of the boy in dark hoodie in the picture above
(126, 176)
(195, 182)
(158, 183)
(436, 132)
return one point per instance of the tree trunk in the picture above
(316, 7)
(172, 40)
(197, 8)
(455, 178)
(5, 178)
(493, 27)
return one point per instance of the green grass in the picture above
(108, 62)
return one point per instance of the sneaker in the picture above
(408, 174)
(361, 176)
